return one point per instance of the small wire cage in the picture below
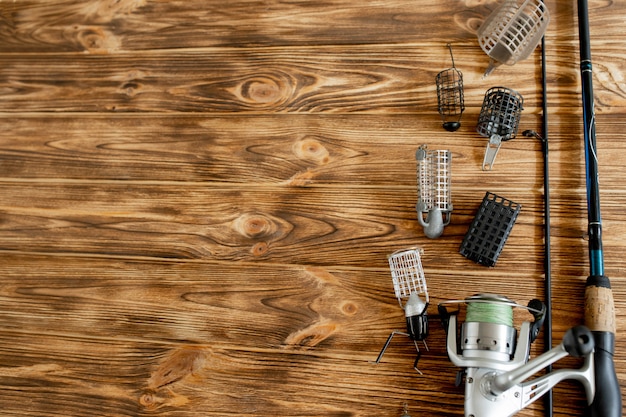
(434, 194)
(450, 97)
(409, 283)
(407, 274)
(513, 31)
(499, 119)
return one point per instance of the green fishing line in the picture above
(496, 313)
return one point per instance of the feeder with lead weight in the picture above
(409, 285)
(499, 120)
(496, 366)
(512, 31)
(450, 96)
(434, 198)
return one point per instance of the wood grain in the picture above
(334, 79)
(199, 198)
(135, 25)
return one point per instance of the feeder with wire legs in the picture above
(409, 286)
(434, 197)
(499, 120)
(513, 31)
(450, 96)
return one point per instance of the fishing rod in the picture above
(496, 382)
(547, 260)
(599, 306)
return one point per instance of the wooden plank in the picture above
(371, 79)
(311, 226)
(298, 151)
(346, 79)
(301, 150)
(260, 306)
(132, 25)
(326, 311)
(138, 25)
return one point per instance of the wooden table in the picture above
(199, 197)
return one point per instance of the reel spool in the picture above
(499, 120)
(434, 197)
(488, 331)
(409, 285)
(495, 363)
(450, 99)
(512, 31)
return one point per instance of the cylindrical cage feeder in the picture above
(499, 120)
(409, 286)
(513, 31)
(407, 274)
(450, 97)
(434, 196)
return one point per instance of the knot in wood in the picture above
(130, 88)
(264, 90)
(149, 400)
(349, 309)
(260, 248)
(310, 149)
(94, 39)
(471, 24)
(254, 226)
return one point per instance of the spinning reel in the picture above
(495, 364)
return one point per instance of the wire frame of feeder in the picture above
(500, 113)
(499, 119)
(450, 98)
(434, 196)
(513, 31)
(407, 274)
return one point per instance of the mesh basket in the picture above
(512, 32)
(490, 229)
(500, 113)
(407, 274)
(450, 99)
(433, 180)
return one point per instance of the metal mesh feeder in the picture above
(450, 99)
(434, 196)
(409, 285)
(499, 120)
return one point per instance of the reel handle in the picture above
(600, 318)
(578, 342)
